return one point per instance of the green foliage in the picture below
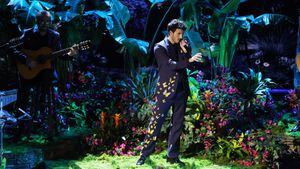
(195, 41)
(3, 163)
(215, 25)
(137, 48)
(230, 148)
(222, 26)
(77, 113)
(189, 13)
(142, 84)
(195, 108)
(155, 161)
(229, 38)
(251, 85)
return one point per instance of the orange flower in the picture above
(208, 94)
(102, 119)
(117, 119)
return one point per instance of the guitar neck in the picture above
(59, 53)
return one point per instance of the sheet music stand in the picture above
(6, 97)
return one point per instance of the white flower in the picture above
(266, 64)
(257, 62)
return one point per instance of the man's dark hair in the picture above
(176, 24)
(42, 14)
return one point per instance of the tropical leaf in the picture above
(37, 6)
(120, 11)
(195, 41)
(156, 1)
(112, 24)
(66, 16)
(73, 4)
(216, 23)
(270, 19)
(18, 4)
(229, 38)
(137, 48)
(230, 6)
(189, 13)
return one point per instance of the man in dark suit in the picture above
(173, 57)
(33, 39)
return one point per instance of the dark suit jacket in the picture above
(172, 71)
(32, 42)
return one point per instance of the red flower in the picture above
(245, 163)
(207, 145)
(254, 153)
(265, 154)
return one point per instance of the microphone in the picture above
(187, 45)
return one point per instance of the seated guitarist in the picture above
(34, 39)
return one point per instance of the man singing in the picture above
(173, 57)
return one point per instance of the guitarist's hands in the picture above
(31, 63)
(72, 51)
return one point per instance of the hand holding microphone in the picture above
(184, 45)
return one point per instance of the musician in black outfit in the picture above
(173, 57)
(33, 39)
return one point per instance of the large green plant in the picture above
(195, 108)
(252, 84)
(142, 84)
(250, 87)
(116, 18)
(230, 148)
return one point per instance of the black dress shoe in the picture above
(141, 160)
(175, 160)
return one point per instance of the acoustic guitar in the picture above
(46, 54)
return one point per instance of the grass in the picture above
(128, 162)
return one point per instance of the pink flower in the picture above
(123, 146)
(268, 131)
(270, 122)
(133, 129)
(138, 148)
(231, 90)
(261, 138)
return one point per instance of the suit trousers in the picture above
(178, 104)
